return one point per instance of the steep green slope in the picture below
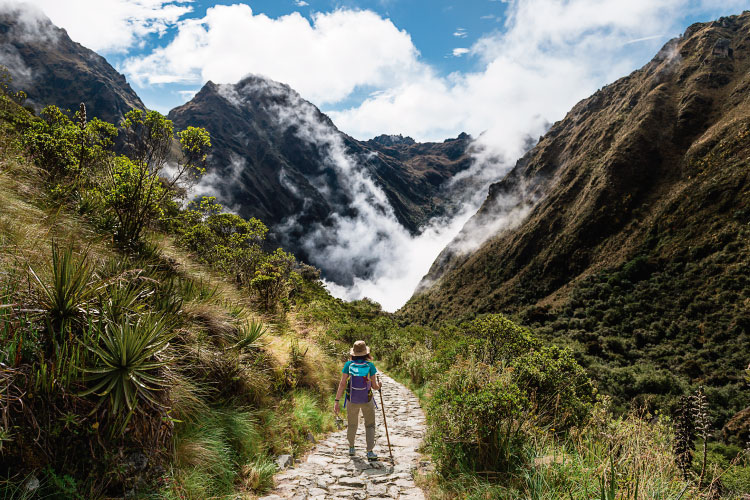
(637, 245)
(139, 371)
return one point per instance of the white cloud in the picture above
(460, 33)
(549, 55)
(112, 25)
(325, 61)
(301, 3)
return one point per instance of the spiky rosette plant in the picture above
(126, 366)
(67, 294)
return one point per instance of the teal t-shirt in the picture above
(372, 371)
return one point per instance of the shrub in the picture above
(559, 387)
(504, 385)
(476, 414)
(134, 195)
(498, 338)
(68, 151)
(418, 362)
(137, 189)
(274, 278)
(226, 241)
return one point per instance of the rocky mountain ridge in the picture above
(277, 157)
(624, 234)
(53, 69)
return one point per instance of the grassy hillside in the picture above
(154, 350)
(134, 369)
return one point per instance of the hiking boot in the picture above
(351, 451)
(371, 455)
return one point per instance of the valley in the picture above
(178, 292)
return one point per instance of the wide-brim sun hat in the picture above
(360, 349)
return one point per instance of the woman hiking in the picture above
(357, 381)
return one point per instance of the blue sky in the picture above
(426, 68)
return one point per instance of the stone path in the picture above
(329, 472)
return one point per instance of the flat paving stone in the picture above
(329, 472)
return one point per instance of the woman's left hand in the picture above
(336, 408)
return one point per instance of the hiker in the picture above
(357, 380)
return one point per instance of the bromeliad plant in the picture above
(66, 297)
(248, 335)
(126, 364)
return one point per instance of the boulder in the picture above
(284, 461)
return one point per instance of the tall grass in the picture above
(214, 453)
(18, 338)
(626, 458)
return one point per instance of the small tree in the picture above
(137, 189)
(223, 240)
(274, 277)
(134, 196)
(69, 151)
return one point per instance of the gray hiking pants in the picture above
(352, 417)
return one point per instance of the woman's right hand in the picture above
(336, 408)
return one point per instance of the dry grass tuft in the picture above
(219, 325)
(319, 372)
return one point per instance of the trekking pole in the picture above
(385, 422)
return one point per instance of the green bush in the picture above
(134, 195)
(418, 364)
(504, 385)
(476, 416)
(498, 338)
(558, 386)
(274, 278)
(138, 188)
(68, 151)
(223, 240)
